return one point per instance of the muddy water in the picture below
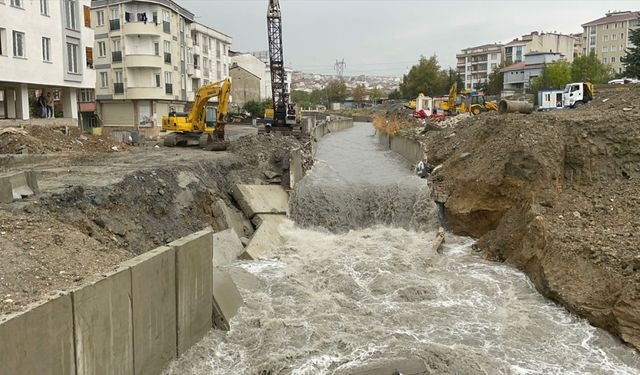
(331, 303)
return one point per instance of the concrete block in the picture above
(20, 184)
(103, 325)
(260, 218)
(194, 292)
(244, 279)
(153, 289)
(296, 171)
(267, 237)
(226, 247)
(227, 217)
(39, 340)
(226, 300)
(261, 199)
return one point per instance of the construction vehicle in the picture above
(202, 124)
(285, 117)
(577, 94)
(468, 101)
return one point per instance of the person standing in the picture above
(42, 101)
(49, 105)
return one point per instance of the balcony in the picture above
(168, 88)
(141, 28)
(118, 88)
(190, 69)
(167, 58)
(197, 73)
(114, 25)
(144, 61)
(166, 27)
(116, 56)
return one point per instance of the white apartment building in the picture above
(45, 46)
(515, 50)
(151, 57)
(208, 59)
(608, 37)
(476, 63)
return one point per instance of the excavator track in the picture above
(210, 143)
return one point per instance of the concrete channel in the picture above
(149, 310)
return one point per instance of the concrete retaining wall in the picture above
(134, 320)
(409, 149)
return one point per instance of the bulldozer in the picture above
(203, 124)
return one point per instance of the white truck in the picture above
(577, 93)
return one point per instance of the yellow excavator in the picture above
(203, 124)
(468, 101)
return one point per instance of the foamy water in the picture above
(330, 303)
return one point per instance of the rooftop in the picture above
(614, 17)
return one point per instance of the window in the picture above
(18, 44)
(46, 49)
(86, 95)
(593, 30)
(613, 48)
(605, 38)
(87, 16)
(621, 36)
(104, 80)
(167, 77)
(118, 84)
(3, 41)
(167, 46)
(116, 45)
(118, 76)
(606, 27)
(88, 54)
(156, 79)
(166, 16)
(102, 49)
(592, 49)
(604, 60)
(71, 14)
(613, 59)
(605, 49)
(44, 7)
(156, 48)
(168, 85)
(72, 57)
(100, 16)
(592, 41)
(115, 13)
(17, 3)
(614, 36)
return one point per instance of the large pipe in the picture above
(513, 106)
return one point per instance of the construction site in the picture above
(440, 235)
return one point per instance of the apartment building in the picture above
(45, 46)
(518, 76)
(208, 57)
(608, 37)
(141, 49)
(515, 50)
(476, 63)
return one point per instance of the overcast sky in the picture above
(386, 37)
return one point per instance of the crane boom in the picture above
(276, 64)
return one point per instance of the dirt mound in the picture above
(555, 194)
(52, 139)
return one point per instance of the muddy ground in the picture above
(99, 207)
(556, 194)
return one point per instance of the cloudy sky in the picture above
(386, 37)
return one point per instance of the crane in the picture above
(284, 112)
(202, 123)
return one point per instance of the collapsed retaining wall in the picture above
(410, 149)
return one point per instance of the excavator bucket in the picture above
(209, 142)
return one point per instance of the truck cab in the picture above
(576, 94)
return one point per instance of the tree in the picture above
(395, 94)
(590, 68)
(554, 76)
(301, 98)
(376, 94)
(255, 108)
(359, 93)
(454, 77)
(496, 81)
(336, 91)
(318, 97)
(631, 61)
(425, 77)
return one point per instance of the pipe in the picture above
(513, 106)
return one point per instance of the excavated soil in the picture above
(98, 209)
(556, 194)
(51, 139)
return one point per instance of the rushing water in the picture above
(333, 302)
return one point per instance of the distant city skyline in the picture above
(387, 37)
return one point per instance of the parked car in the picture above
(623, 81)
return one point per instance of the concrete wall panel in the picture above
(226, 247)
(194, 257)
(153, 288)
(226, 300)
(261, 199)
(39, 340)
(103, 326)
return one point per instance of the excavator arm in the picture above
(216, 89)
